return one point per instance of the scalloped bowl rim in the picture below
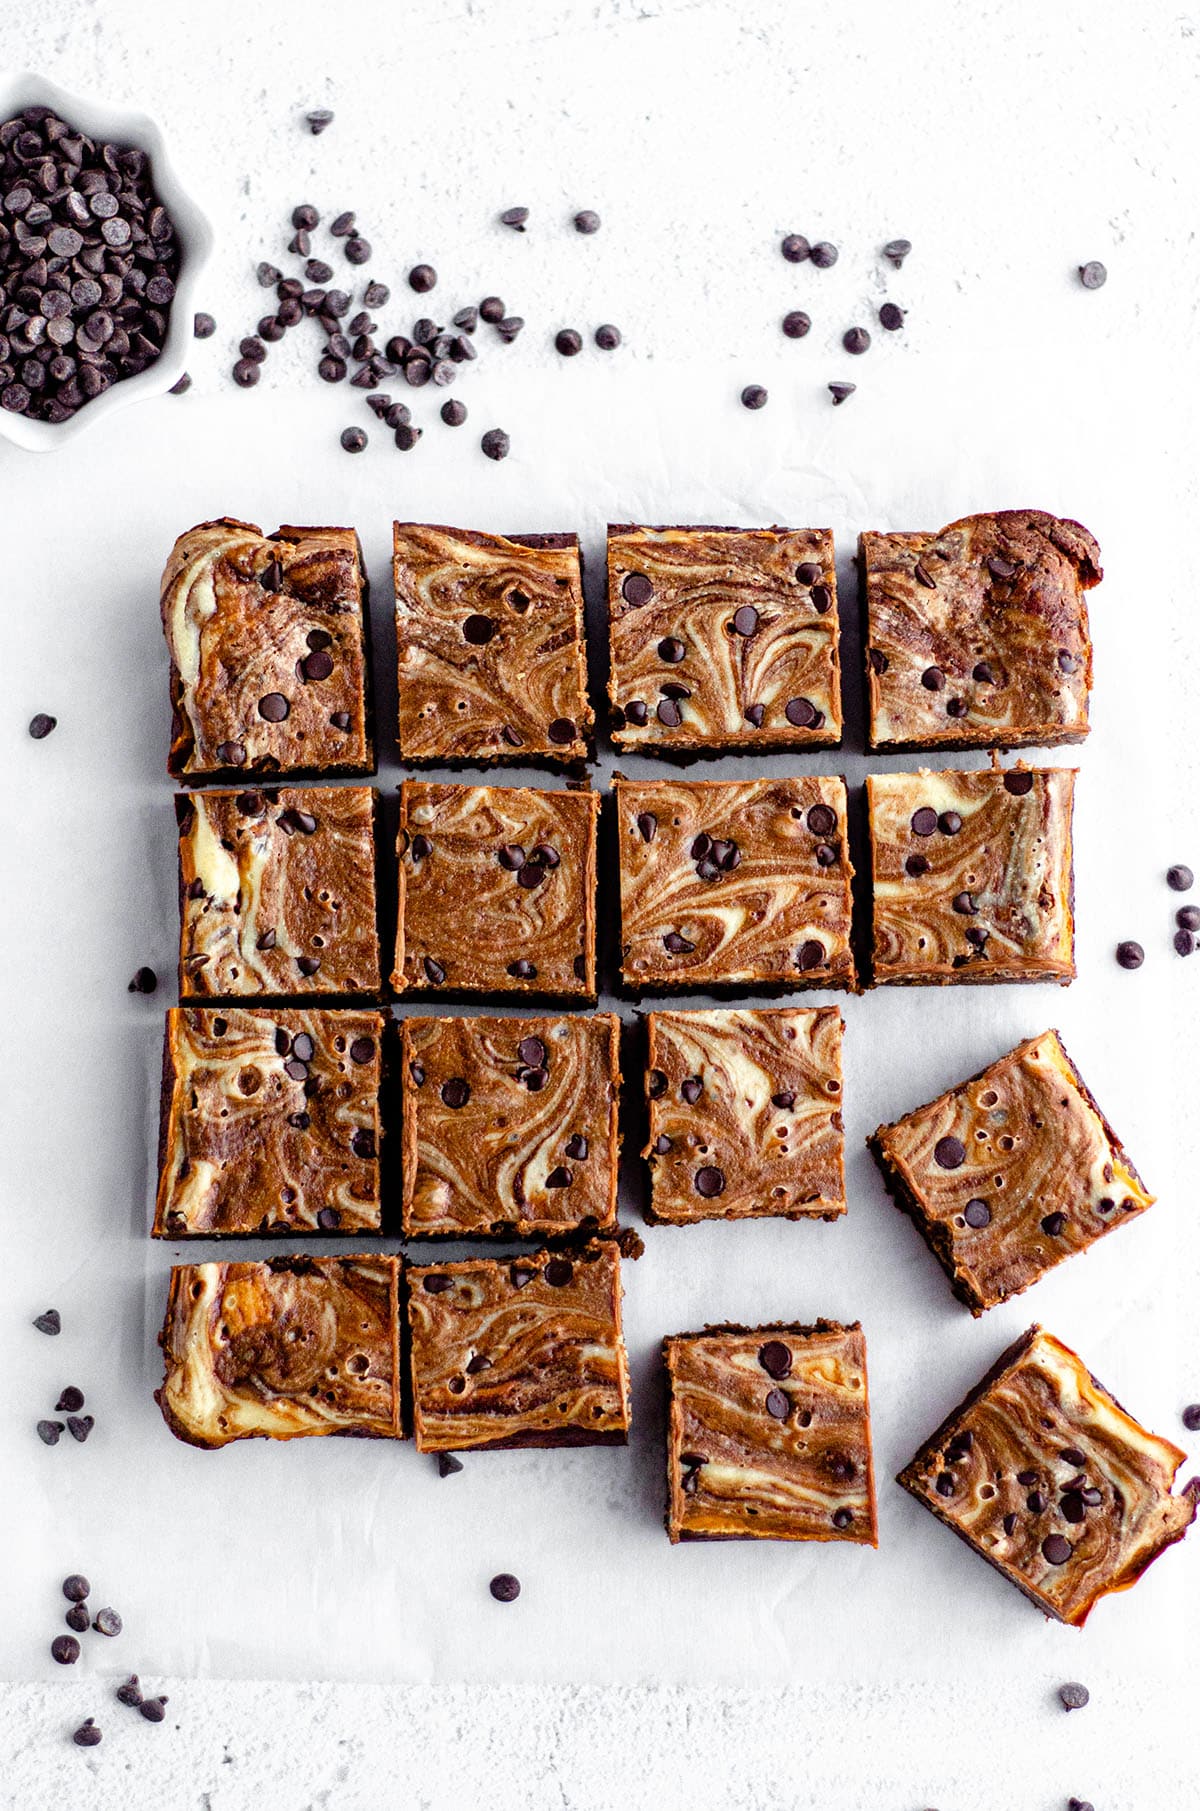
(100, 119)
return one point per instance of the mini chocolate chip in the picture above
(879, 660)
(1188, 918)
(328, 1218)
(559, 1271)
(1184, 943)
(856, 339)
(999, 567)
(65, 1649)
(944, 1484)
(1073, 1696)
(656, 1084)
(1053, 1224)
(709, 1181)
(363, 1144)
(522, 969)
(775, 1359)
(777, 1405)
(984, 673)
(144, 982)
(362, 1050)
(1056, 1549)
(636, 588)
(448, 1465)
(843, 1517)
(437, 1284)
(456, 1092)
(495, 443)
(568, 341)
(505, 1588)
(964, 904)
(153, 1709)
(949, 823)
(88, 1734)
(924, 821)
(107, 1622)
(1191, 1417)
(796, 324)
(795, 248)
(274, 707)
(1180, 878)
(420, 847)
(745, 620)
(530, 875)
(891, 318)
(70, 1400)
(677, 945)
(691, 1088)
(821, 820)
(434, 971)
(318, 120)
(977, 1213)
(78, 1618)
(41, 726)
(50, 1322)
(130, 1693)
(75, 1587)
(49, 1432)
(671, 649)
(811, 955)
(607, 337)
(1130, 954)
(1093, 274)
(576, 1147)
(532, 1052)
(561, 731)
(824, 255)
(80, 1426)
(353, 439)
(801, 713)
(754, 397)
(933, 679)
(949, 1153)
(587, 221)
(916, 865)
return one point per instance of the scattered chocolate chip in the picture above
(824, 255)
(795, 248)
(1180, 878)
(353, 439)
(607, 337)
(1184, 943)
(856, 339)
(495, 443)
(924, 821)
(131, 1692)
(709, 1181)
(70, 1400)
(65, 1649)
(454, 413)
(88, 1734)
(916, 865)
(318, 120)
(977, 1213)
(50, 1322)
(41, 726)
(796, 324)
(691, 1088)
(840, 391)
(1093, 274)
(80, 1426)
(153, 1709)
(891, 318)
(49, 1432)
(107, 1622)
(505, 1588)
(1130, 954)
(1188, 918)
(754, 396)
(422, 278)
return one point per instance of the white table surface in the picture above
(1010, 142)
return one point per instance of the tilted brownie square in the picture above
(510, 1125)
(1051, 1481)
(1008, 1174)
(972, 875)
(734, 884)
(745, 1115)
(270, 1123)
(493, 663)
(723, 639)
(497, 892)
(977, 636)
(270, 653)
(769, 1435)
(277, 893)
(519, 1351)
(289, 1347)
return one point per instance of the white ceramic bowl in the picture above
(195, 242)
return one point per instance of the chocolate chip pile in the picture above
(88, 262)
(797, 324)
(69, 1403)
(1180, 879)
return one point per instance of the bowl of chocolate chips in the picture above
(101, 249)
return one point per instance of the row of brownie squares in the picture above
(768, 1434)
(273, 1123)
(723, 885)
(720, 640)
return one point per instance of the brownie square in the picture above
(745, 1115)
(1051, 1481)
(270, 1123)
(277, 893)
(519, 1351)
(510, 1125)
(734, 884)
(769, 1435)
(497, 892)
(972, 875)
(493, 663)
(723, 639)
(977, 636)
(290, 1347)
(270, 653)
(1008, 1174)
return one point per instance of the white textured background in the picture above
(1010, 141)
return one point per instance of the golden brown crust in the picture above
(291, 1347)
(271, 1123)
(474, 920)
(493, 663)
(1009, 1173)
(769, 1434)
(977, 636)
(1048, 1478)
(281, 618)
(723, 639)
(745, 1115)
(519, 1351)
(734, 883)
(510, 1125)
(972, 875)
(277, 893)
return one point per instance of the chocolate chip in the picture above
(795, 248)
(328, 1218)
(776, 1360)
(1130, 954)
(964, 904)
(824, 255)
(87, 1735)
(984, 673)
(456, 1092)
(80, 1426)
(75, 1587)
(522, 970)
(422, 278)
(1180, 878)
(505, 1588)
(131, 1692)
(796, 324)
(568, 342)
(561, 731)
(949, 1153)
(691, 1088)
(144, 982)
(434, 971)
(709, 1181)
(587, 221)
(754, 397)
(318, 120)
(677, 945)
(949, 823)
(607, 337)
(856, 339)
(50, 1322)
(41, 726)
(1188, 918)
(811, 955)
(977, 1213)
(1184, 943)
(453, 413)
(70, 1400)
(495, 443)
(840, 391)
(656, 1084)
(478, 630)
(107, 1622)
(802, 713)
(437, 1284)
(153, 1709)
(448, 1465)
(49, 1432)
(1073, 1696)
(777, 1405)
(65, 1649)
(891, 318)
(353, 440)
(924, 821)
(274, 707)
(745, 620)
(944, 1484)
(1093, 274)
(1056, 1549)
(933, 679)
(1053, 1224)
